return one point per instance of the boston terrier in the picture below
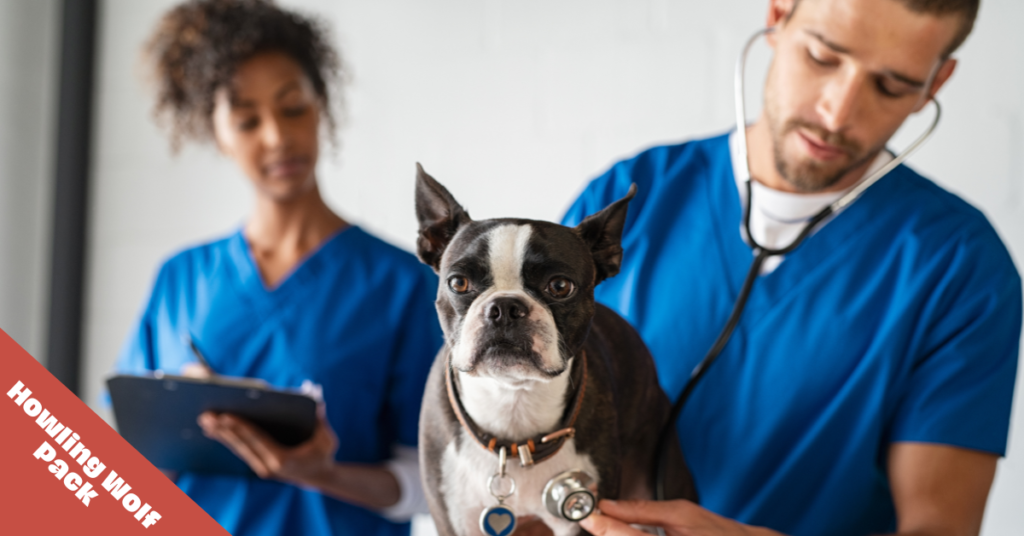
(537, 385)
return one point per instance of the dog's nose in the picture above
(503, 311)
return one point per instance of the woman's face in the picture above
(267, 120)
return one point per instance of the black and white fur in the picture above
(513, 344)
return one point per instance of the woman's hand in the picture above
(678, 518)
(195, 370)
(309, 463)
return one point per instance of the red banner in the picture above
(65, 471)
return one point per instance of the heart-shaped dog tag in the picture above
(497, 521)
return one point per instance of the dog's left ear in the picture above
(440, 217)
(603, 233)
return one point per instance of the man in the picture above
(867, 387)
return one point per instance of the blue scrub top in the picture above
(356, 316)
(899, 320)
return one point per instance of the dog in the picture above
(534, 367)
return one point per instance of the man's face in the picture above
(845, 76)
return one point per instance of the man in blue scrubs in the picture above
(867, 388)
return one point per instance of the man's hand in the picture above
(678, 518)
(309, 463)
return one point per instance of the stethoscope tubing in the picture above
(760, 252)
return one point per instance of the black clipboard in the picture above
(157, 414)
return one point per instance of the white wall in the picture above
(28, 68)
(513, 105)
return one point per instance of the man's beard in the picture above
(810, 175)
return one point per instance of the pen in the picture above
(199, 355)
(213, 377)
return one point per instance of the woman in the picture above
(296, 294)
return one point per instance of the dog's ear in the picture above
(440, 217)
(603, 233)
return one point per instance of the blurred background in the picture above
(514, 105)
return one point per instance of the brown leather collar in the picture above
(535, 449)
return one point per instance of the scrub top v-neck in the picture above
(356, 316)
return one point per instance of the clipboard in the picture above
(157, 415)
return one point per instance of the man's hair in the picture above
(966, 9)
(199, 44)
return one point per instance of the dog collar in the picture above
(535, 449)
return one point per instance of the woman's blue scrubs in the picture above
(356, 317)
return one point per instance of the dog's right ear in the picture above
(602, 231)
(440, 217)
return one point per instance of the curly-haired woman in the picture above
(296, 293)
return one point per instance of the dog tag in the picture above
(497, 521)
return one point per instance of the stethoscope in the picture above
(762, 253)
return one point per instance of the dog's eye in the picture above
(458, 284)
(560, 287)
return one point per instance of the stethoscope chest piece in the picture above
(571, 495)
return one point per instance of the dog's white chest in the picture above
(466, 466)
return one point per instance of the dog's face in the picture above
(516, 297)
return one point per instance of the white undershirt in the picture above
(405, 466)
(778, 217)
